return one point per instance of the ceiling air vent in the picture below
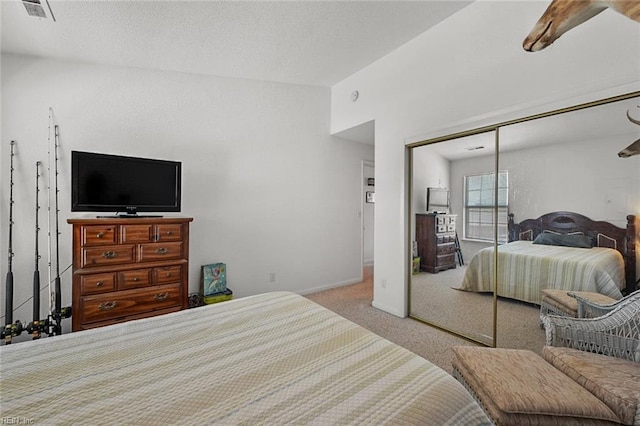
(35, 8)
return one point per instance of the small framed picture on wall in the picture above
(370, 197)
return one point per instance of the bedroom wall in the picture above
(547, 178)
(467, 71)
(429, 170)
(269, 189)
(426, 174)
(600, 185)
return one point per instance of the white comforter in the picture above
(524, 269)
(276, 358)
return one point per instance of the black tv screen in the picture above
(119, 184)
(437, 199)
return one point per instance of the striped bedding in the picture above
(524, 269)
(275, 358)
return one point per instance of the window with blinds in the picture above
(479, 206)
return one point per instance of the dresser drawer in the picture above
(129, 302)
(97, 283)
(446, 220)
(167, 274)
(160, 251)
(107, 255)
(445, 249)
(96, 235)
(445, 260)
(169, 232)
(446, 238)
(134, 278)
(130, 234)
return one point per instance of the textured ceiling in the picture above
(299, 42)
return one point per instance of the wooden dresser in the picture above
(128, 268)
(436, 238)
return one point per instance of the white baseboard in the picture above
(387, 309)
(330, 286)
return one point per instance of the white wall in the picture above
(429, 170)
(269, 189)
(584, 177)
(580, 177)
(469, 70)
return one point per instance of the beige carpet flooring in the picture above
(353, 302)
(434, 298)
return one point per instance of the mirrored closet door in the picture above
(439, 224)
(561, 161)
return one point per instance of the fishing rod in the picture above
(8, 307)
(53, 320)
(57, 286)
(58, 313)
(36, 273)
(49, 264)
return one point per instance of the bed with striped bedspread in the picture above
(275, 358)
(524, 269)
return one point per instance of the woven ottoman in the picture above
(518, 387)
(558, 302)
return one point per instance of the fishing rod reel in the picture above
(50, 326)
(55, 318)
(9, 331)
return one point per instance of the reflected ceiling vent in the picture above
(36, 8)
(475, 148)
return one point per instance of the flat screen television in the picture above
(123, 185)
(437, 200)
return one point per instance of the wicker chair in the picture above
(590, 309)
(616, 334)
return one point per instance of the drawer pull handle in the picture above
(99, 284)
(169, 233)
(161, 296)
(107, 306)
(168, 274)
(100, 235)
(136, 279)
(162, 250)
(109, 254)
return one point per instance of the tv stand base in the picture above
(126, 216)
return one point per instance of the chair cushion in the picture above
(614, 381)
(520, 387)
(562, 301)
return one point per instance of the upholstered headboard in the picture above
(604, 234)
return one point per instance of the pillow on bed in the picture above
(560, 233)
(566, 240)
